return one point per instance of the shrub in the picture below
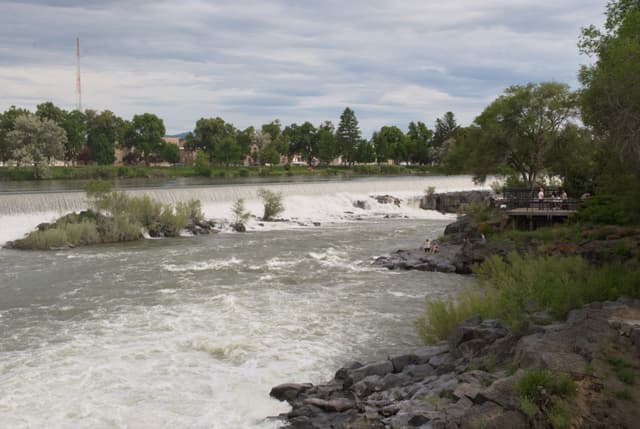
(192, 210)
(201, 165)
(508, 286)
(536, 384)
(559, 417)
(272, 203)
(442, 317)
(83, 233)
(43, 240)
(240, 215)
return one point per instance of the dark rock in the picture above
(343, 372)
(378, 368)
(454, 202)
(289, 391)
(336, 405)
(386, 199)
(361, 204)
(239, 227)
(316, 224)
(44, 226)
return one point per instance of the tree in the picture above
(7, 124)
(327, 148)
(228, 151)
(348, 135)
(36, 141)
(390, 143)
(145, 134)
(444, 137)
(365, 152)
(610, 98)
(50, 111)
(420, 138)
(74, 124)
(170, 153)
(301, 140)
(104, 130)
(518, 129)
(209, 135)
(276, 140)
(272, 203)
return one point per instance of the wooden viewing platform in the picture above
(527, 212)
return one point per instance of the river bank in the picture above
(486, 376)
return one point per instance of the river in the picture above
(194, 331)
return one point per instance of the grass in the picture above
(543, 390)
(509, 285)
(536, 384)
(624, 394)
(623, 370)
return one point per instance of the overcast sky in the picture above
(251, 61)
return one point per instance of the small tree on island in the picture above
(272, 203)
(240, 215)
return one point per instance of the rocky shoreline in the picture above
(471, 380)
(462, 247)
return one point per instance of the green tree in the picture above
(50, 111)
(610, 98)
(74, 124)
(170, 153)
(444, 137)
(348, 135)
(302, 140)
(104, 130)
(272, 133)
(269, 155)
(7, 124)
(228, 151)
(36, 141)
(201, 165)
(327, 148)
(208, 135)
(390, 143)
(145, 134)
(365, 152)
(518, 129)
(420, 139)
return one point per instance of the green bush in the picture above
(535, 384)
(442, 317)
(201, 165)
(192, 210)
(43, 240)
(272, 203)
(508, 287)
(83, 233)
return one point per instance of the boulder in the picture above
(289, 391)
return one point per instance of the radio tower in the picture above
(78, 86)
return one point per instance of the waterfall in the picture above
(315, 201)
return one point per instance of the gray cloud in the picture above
(253, 61)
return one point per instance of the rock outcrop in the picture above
(462, 246)
(454, 202)
(470, 380)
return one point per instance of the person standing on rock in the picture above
(427, 245)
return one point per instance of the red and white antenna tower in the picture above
(78, 86)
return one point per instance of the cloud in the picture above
(252, 61)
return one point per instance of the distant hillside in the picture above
(179, 135)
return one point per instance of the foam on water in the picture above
(324, 202)
(194, 332)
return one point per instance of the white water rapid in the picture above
(193, 332)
